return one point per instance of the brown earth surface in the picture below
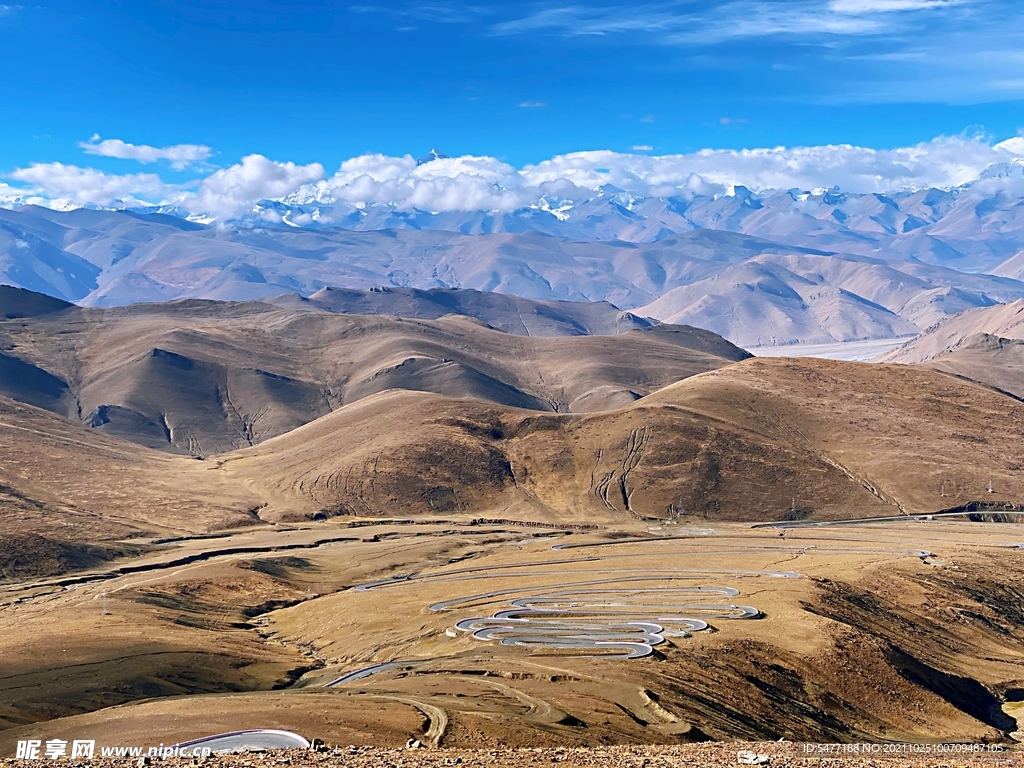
(153, 595)
(762, 439)
(785, 755)
(891, 632)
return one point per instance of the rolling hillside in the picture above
(744, 442)
(303, 414)
(205, 377)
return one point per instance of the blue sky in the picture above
(319, 82)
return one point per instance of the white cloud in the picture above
(484, 183)
(229, 190)
(471, 183)
(11, 197)
(180, 156)
(945, 161)
(72, 185)
(530, 104)
(1014, 146)
(642, 148)
(445, 184)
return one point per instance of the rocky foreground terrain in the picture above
(708, 754)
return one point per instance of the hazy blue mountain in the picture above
(779, 268)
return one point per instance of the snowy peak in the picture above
(431, 156)
(1013, 169)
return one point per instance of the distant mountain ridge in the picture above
(975, 226)
(790, 268)
(508, 313)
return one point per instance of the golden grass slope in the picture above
(70, 483)
(763, 439)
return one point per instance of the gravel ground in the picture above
(709, 754)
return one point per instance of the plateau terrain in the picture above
(368, 519)
(675, 419)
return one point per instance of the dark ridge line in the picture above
(533, 524)
(125, 570)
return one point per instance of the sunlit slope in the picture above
(992, 360)
(985, 345)
(917, 439)
(764, 439)
(68, 482)
(1002, 321)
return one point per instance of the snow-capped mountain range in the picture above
(761, 268)
(971, 226)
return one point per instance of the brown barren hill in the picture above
(985, 345)
(17, 303)
(67, 482)
(203, 377)
(763, 439)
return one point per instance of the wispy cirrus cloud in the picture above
(886, 6)
(873, 51)
(178, 156)
(437, 12)
(673, 23)
(10, 15)
(581, 20)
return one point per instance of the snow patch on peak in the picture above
(557, 207)
(431, 156)
(625, 200)
(1013, 169)
(1014, 145)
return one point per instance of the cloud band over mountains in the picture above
(472, 183)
